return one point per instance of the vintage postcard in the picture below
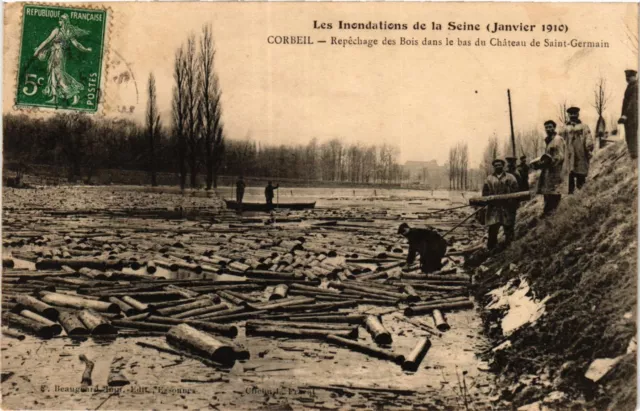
(330, 206)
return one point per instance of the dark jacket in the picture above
(630, 103)
(240, 185)
(428, 243)
(523, 170)
(268, 191)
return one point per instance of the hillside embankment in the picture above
(560, 302)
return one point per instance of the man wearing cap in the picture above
(426, 242)
(500, 214)
(523, 170)
(551, 176)
(579, 149)
(630, 112)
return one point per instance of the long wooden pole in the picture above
(513, 138)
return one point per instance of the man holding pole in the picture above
(268, 194)
(500, 213)
(579, 144)
(240, 186)
(551, 164)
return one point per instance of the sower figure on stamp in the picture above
(268, 194)
(552, 164)
(426, 242)
(240, 186)
(579, 144)
(60, 84)
(629, 116)
(500, 213)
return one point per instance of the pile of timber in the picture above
(196, 284)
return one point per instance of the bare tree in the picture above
(153, 126)
(192, 107)
(491, 152)
(600, 100)
(210, 111)
(179, 108)
(563, 117)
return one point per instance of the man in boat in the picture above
(240, 186)
(426, 242)
(523, 170)
(268, 194)
(500, 213)
(629, 115)
(579, 144)
(551, 165)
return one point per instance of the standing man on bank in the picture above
(500, 213)
(268, 194)
(523, 170)
(579, 145)
(629, 115)
(552, 165)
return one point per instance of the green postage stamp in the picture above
(61, 57)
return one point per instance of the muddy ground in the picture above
(281, 373)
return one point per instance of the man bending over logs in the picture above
(426, 242)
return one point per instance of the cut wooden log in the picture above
(124, 307)
(307, 333)
(95, 323)
(137, 305)
(63, 300)
(27, 324)
(206, 301)
(142, 325)
(279, 292)
(56, 328)
(187, 337)
(72, 324)
(485, 200)
(200, 311)
(7, 263)
(378, 331)
(37, 306)
(86, 375)
(295, 324)
(413, 360)
(365, 349)
(222, 329)
(440, 321)
(426, 309)
(8, 332)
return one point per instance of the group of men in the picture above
(567, 153)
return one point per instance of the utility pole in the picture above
(513, 137)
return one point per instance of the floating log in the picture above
(349, 319)
(440, 321)
(137, 305)
(151, 267)
(378, 331)
(365, 349)
(294, 324)
(425, 309)
(124, 307)
(72, 324)
(201, 302)
(313, 333)
(86, 375)
(116, 378)
(185, 336)
(413, 360)
(232, 298)
(485, 200)
(226, 330)
(200, 311)
(183, 291)
(56, 328)
(279, 292)
(8, 332)
(95, 323)
(27, 324)
(63, 300)
(269, 305)
(141, 325)
(37, 306)
(165, 304)
(237, 316)
(7, 263)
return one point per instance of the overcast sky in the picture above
(422, 99)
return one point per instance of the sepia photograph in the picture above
(322, 205)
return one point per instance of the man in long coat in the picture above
(579, 144)
(629, 115)
(551, 177)
(500, 214)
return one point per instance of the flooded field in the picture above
(354, 233)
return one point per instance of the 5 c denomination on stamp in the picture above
(61, 57)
